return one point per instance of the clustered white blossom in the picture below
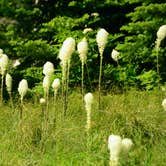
(115, 55)
(82, 48)
(23, 88)
(116, 145)
(88, 98)
(101, 38)
(161, 34)
(164, 104)
(56, 85)
(8, 82)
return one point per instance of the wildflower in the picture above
(82, 48)
(115, 146)
(3, 63)
(46, 84)
(48, 69)
(86, 30)
(23, 88)
(16, 63)
(67, 49)
(95, 14)
(115, 55)
(56, 84)
(8, 82)
(42, 101)
(88, 98)
(126, 145)
(161, 34)
(101, 39)
(164, 104)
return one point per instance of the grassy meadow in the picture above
(133, 114)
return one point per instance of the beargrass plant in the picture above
(8, 82)
(161, 34)
(48, 70)
(101, 39)
(115, 55)
(22, 90)
(4, 60)
(65, 53)
(82, 48)
(55, 86)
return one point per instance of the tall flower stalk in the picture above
(82, 48)
(22, 89)
(65, 54)
(116, 146)
(88, 98)
(3, 67)
(55, 86)
(48, 70)
(8, 82)
(161, 34)
(101, 39)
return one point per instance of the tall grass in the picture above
(134, 114)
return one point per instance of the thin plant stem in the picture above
(21, 110)
(82, 83)
(11, 101)
(157, 56)
(64, 74)
(88, 76)
(100, 73)
(54, 120)
(2, 88)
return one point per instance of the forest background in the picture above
(33, 32)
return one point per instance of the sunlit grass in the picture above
(136, 115)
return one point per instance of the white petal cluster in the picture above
(16, 63)
(161, 34)
(164, 104)
(3, 63)
(115, 55)
(46, 84)
(88, 98)
(86, 30)
(56, 84)
(42, 101)
(67, 50)
(126, 145)
(8, 82)
(116, 145)
(101, 39)
(48, 69)
(82, 48)
(23, 88)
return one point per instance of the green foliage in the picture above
(148, 79)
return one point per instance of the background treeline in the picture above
(34, 30)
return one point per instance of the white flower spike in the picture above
(23, 88)
(101, 39)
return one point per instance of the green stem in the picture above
(82, 84)
(157, 55)
(11, 101)
(2, 89)
(88, 76)
(100, 73)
